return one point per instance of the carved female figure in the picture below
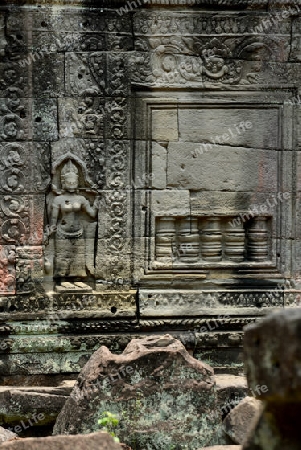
(73, 227)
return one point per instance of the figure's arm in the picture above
(55, 209)
(54, 213)
(91, 210)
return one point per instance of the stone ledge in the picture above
(180, 3)
(221, 4)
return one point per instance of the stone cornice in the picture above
(218, 4)
(267, 5)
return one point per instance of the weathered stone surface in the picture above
(148, 387)
(93, 441)
(6, 435)
(272, 359)
(241, 419)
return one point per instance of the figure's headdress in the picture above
(69, 172)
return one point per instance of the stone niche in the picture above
(150, 163)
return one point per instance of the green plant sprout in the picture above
(108, 422)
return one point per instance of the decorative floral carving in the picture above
(7, 269)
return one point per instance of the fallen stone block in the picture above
(273, 359)
(94, 441)
(162, 396)
(240, 420)
(17, 403)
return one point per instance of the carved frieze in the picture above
(58, 307)
(106, 303)
(170, 23)
(191, 303)
(106, 21)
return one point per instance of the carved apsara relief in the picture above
(72, 210)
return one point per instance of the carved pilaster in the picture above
(165, 237)
(258, 248)
(235, 242)
(212, 240)
(189, 240)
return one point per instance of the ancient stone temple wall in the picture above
(149, 158)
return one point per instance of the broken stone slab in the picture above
(273, 359)
(6, 435)
(21, 403)
(240, 420)
(94, 441)
(161, 395)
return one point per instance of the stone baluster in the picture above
(188, 240)
(165, 238)
(235, 242)
(212, 240)
(258, 244)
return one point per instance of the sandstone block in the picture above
(94, 441)
(239, 421)
(222, 168)
(272, 356)
(236, 127)
(272, 359)
(161, 394)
